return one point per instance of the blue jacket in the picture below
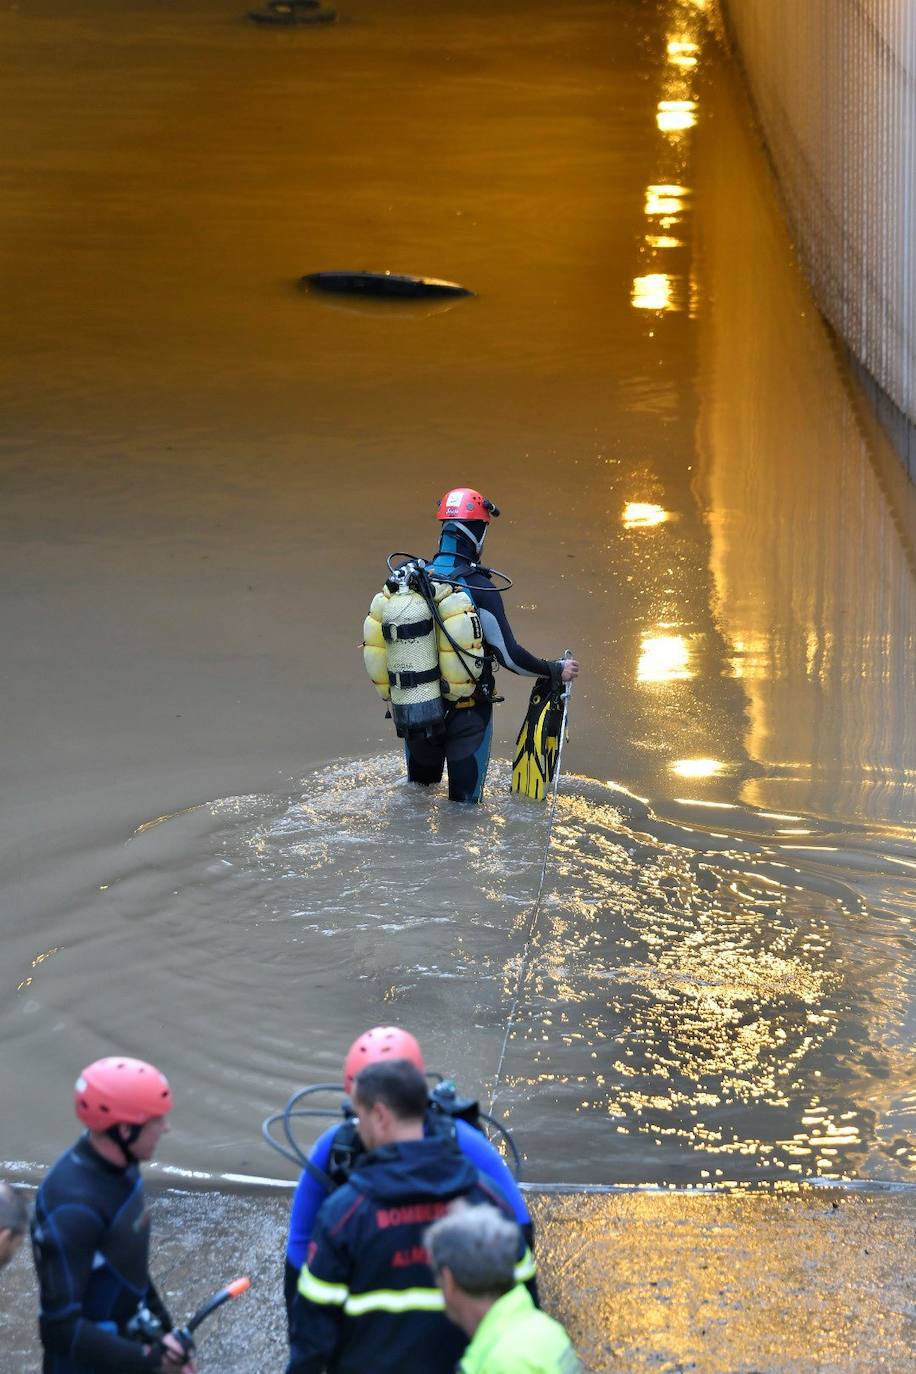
(90, 1236)
(367, 1298)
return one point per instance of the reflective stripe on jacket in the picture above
(388, 1299)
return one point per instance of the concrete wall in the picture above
(834, 85)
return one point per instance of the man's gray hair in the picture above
(479, 1246)
(14, 1210)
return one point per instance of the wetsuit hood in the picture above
(429, 1168)
(463, 539)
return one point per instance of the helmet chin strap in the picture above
(457, 525)
(114, 1133)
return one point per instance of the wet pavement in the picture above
(815, 1280)
(818, 1280)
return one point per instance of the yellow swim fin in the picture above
(538, 742)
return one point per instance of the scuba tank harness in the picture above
(422, 646)
(444, 1102)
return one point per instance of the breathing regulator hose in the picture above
(292, 1150)
(440, 1097)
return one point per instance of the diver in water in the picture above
(455, 732)
(338, 1150)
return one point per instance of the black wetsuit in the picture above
(465, 743)
(90, 1235)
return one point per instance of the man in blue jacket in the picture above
(367, 1298)
(339, 1150)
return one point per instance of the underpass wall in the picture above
(834, 85)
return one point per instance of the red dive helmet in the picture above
(463, 503)
(382, 1042)
(118, 1091)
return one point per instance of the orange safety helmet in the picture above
(120, 1092)
(381, 1042)
(463, 503)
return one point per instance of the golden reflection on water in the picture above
(663, 241)
(664, 658)
(697, 768)
(682, 53)
(654, 292)
(644, 515)
(656, 288)
(708, 996)
(666, 199)
(676, 115)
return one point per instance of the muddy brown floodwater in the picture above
(208, 855)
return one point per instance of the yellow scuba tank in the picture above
(460, 641)
(408, 629)
(375, 652)
(420, 648)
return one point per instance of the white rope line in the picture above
(536, 908)
(22, 1171)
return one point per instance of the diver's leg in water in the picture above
(425, 759)
(468, 752)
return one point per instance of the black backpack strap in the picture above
(346, 1152)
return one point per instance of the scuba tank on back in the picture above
(422, 642)
(409, 633)
(460, 642)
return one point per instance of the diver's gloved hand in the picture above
(569, 668)
(175, 1355)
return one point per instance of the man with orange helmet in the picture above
(339, 1149)
(91, 1230)
(464, 745)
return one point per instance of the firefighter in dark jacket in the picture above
(367, 1297)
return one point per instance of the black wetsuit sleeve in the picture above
(500, 640)
(65, 1245)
